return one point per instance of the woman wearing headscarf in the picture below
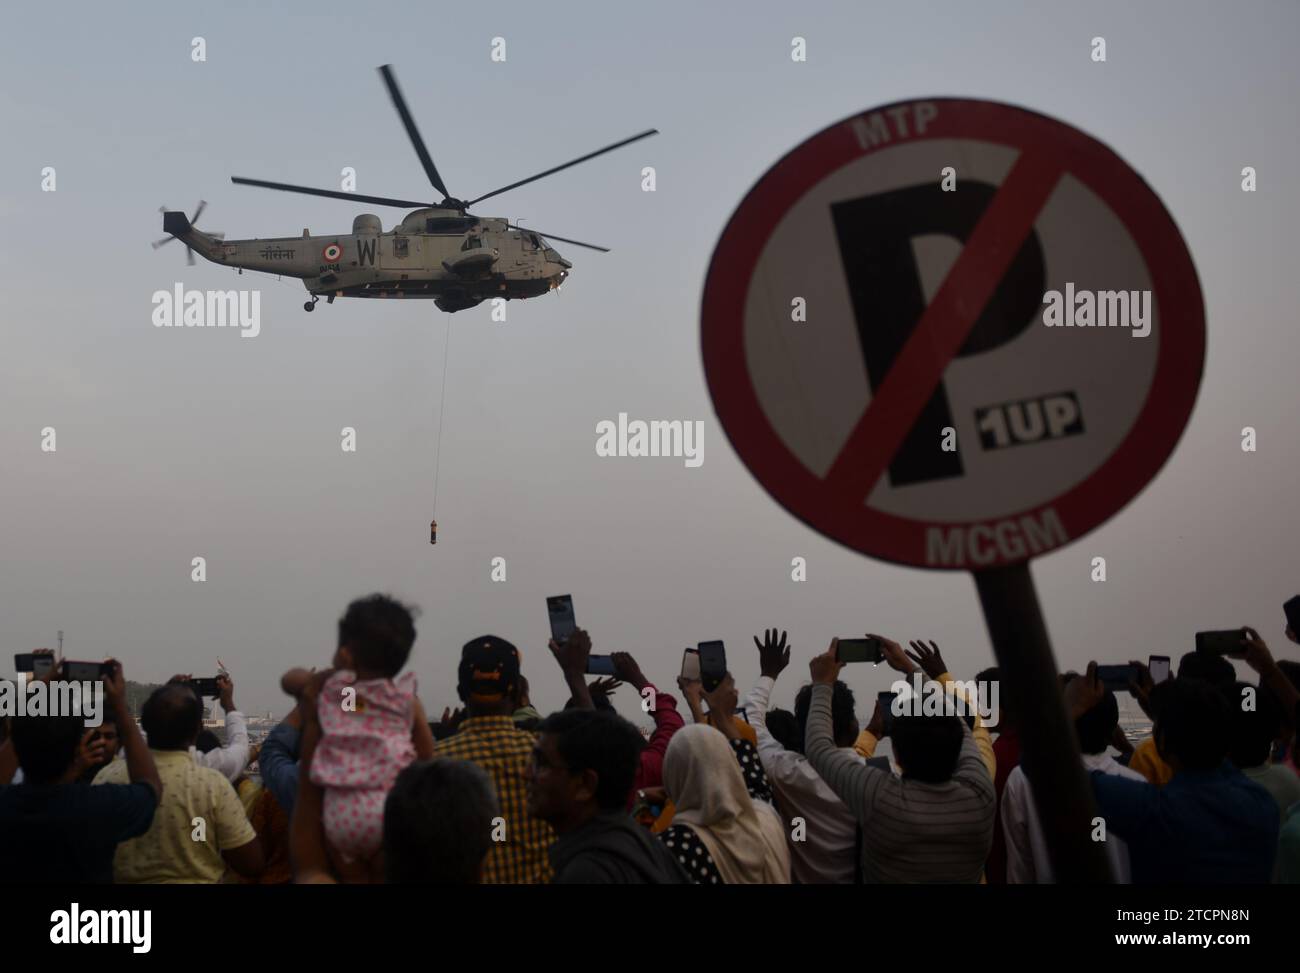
(719, 833)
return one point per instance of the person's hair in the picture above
(600, 741)
(1251, 732)
(438, 823)
(1190, 724)
(1096, 727)
(379, 631)
(784, 727)
(46, 745)
(842, 704)
(172, 717)
(927, 747)
(207, 741)
(1206, 667)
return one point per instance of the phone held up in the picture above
(560, 608)
(860, 650)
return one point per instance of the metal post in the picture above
(1049, 751)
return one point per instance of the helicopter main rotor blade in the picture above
(590, 155)
(562, 239)
(386, 71)
(331, 193)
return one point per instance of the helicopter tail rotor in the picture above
(176, 224)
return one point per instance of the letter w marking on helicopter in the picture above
(366, 251)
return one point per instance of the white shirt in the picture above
(1027, 860)
(825, 855)
(232, 758)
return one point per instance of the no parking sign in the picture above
(957, 334)
(920, 410)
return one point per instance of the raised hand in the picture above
(226, 692)
(1084, 692)
(773, 653)
(626, 669)
(928, 658)
(1253, 650)
(894, 655)
(1141, 686)
(605, 686)
(115, 686)
(572, 655)
(825, 668)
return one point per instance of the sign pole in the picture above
(1049, 752)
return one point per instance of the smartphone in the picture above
(1219, 643)
(600, 665)
(1116, 678)
(713, 664)
(563, 625)
(205, 687)
(37, 665)
(1292, 611)
(691, 665)
(860, 650)
(86, 671)
(885, 701)
(1159, 668)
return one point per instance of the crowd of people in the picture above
(358, 785)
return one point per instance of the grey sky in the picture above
(176, 443)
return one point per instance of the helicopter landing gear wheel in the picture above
(311, 305)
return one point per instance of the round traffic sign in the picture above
(952, 333)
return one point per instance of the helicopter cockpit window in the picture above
(531, 242)
(472, 242)
(447, 224)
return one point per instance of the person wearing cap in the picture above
(488, 684)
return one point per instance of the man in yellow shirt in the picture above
(200, 826)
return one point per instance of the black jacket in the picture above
(612, 849)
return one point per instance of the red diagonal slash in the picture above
(943, 328)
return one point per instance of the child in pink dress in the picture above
(371, 726)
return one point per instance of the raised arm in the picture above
(572, 660)
(421, 734)
(855, 782)
(307, 850)
(140, 767)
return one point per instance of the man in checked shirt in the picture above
(488, 683)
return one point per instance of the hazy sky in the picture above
(176, 443)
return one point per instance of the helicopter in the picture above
(439, 250)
